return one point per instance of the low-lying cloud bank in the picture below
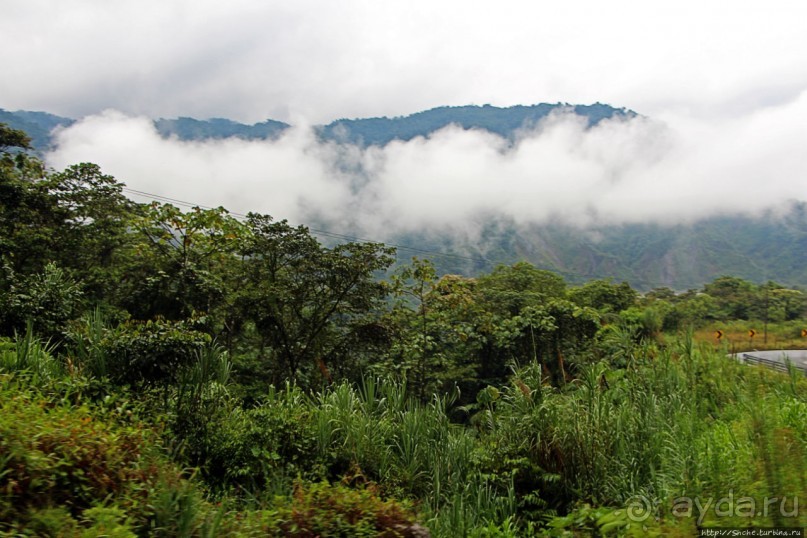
(668, 169)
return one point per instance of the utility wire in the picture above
(566, 273)
(325, 233)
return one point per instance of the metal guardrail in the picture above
(775, 365)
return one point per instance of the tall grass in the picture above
(89, 355)
(679, 421)
(31, 356)
(411, 450)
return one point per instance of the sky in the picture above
(721, 90)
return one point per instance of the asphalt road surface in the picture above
(797, 356)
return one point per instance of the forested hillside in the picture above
(189, 373)
(769, 246)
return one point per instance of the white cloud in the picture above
(668, 170)
(282, 177)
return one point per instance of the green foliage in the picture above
(504, 405)
(13, 138)
(77, 219)
(410, 449)
(178, 263)
(58, 460)
(46, 300)
(308, 304)
(321, 509)
(676, 423)
(145, 353)
(249, 450)
(604, 296)
(434, 336)
(509, 289)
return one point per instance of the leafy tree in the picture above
(509, 288)
(308, 304)
(604, 295)
(178, 264)
(693, 309)
(96, 225)
(548, 334)
(735, 297)
(13, 138)
(433, 321)
(28, 214)
(517, 325)
(77, 218)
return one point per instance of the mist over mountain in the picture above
(588, 191)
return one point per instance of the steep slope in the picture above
(772, 246)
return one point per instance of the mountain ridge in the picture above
(503, 121)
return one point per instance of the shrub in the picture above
(322, 509)
(152, 352)
(60, 465)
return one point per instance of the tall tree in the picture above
(308, 303)
(180, 261)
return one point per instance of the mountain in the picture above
(218, 128)
(772, 246)
(365, 132)
(502, 121)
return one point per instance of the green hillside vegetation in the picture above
(363, 131)
(170, 373)
(770, 246)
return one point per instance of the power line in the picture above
(326, 233)
(566, 273)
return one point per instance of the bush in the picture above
(61, 467)
(251, 449)
(322, 509)
(150, 353)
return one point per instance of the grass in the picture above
(678, 421)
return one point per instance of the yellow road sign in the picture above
(751, 333)
(803, 333)
(718, 334)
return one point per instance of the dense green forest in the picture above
(189, 373)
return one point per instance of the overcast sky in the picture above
(723, 85)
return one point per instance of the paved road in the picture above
(772, 358)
